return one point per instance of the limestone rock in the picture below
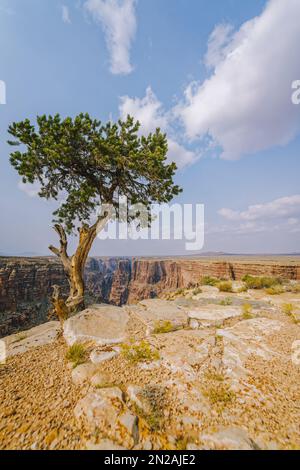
(104, 410)
(152, 312)
(98, 356)
(137, 396)
(37, 336)
(244, 339)
(103, 324)
(100, 379)
(212, 314)
(194, 347)
(100, 408)
(130, 423)
(83, 373)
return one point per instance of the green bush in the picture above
(247, 311)
(227, 301)
(197, 291)
(225, 286)
(163, 327)
(76, 354)
(277, 289)
(209, 281)
(288, 309)
(261, 282)
(242, 289)
(139, 352)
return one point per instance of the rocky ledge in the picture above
(205, 370)
(26, 283)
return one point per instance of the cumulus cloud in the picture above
(148, 110)
(118, 20)
(245, 106)
(150, 113)
(65, 14)
(286, 207)
(280, 214)
(218, 45)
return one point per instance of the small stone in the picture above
(130, 423)
(83, 373)
(99, 380)
(100, 356)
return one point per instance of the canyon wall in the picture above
(26, 283)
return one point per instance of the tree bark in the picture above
(74, 267)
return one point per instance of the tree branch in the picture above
(62, 252)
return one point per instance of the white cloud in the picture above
(32, 190)
(65, 14)
(283, 208)
(118, 20)
(148, 110)
(218, 44)
(151, 114)
(282, 215)
(245, 106)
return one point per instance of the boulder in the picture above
(104, 411)
(98, 356)
(103, 324)
(213, 314)
(83, 373)
(155, 312)
(25, 340)
(100, 379)
(185, 348)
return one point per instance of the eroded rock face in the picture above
(103, 325)
(26, 283)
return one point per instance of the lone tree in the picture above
(90, 165)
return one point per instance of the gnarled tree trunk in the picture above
(74, 267)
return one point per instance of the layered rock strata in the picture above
(26, 283)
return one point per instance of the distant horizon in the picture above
(215, 254)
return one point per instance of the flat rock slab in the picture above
(154, 312)
(181, 350)
(103, 324)
(25, 340)
(213, 313)
(244, 339)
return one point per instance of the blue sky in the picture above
(216, 75)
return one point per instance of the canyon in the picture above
(26, 283)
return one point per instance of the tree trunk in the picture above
(74, 268)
